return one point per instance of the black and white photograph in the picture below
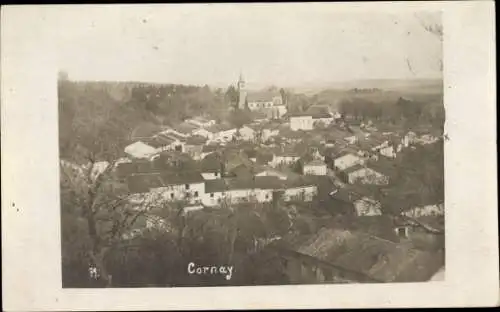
(304, 149)
(265, 154)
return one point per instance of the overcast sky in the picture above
(284, 45)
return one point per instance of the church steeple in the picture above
(241, 81)
(242, 98)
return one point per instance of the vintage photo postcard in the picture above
(225, 156)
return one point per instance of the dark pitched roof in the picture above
(210, 148)
(158, 141)
(269, 182)
(286, 153)
(342, 195)
(297, 114)
(390, 262)
(196, 140)
(216, 185)
(380, 259)
(318, 112)
(354, 168)
(175, 136)
(211, 163)
(185, 128)
(345, 152)
(266, 182)
(300, 181)
(145, 131)
(140, 183)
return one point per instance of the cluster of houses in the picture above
(202, 163)
(318, 139)
(212, 191)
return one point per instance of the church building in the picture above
(269, 101)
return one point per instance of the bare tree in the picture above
(103, 204)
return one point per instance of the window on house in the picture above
(211, 195)
(402, 232)
(267, 196)
(196, 194)
(172, 195)
(187, 186)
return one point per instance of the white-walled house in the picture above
(188, 186)
(351, 139)
(194, 146)
(347, 160)
(269, 102)
(425, 211)
(315, 167)
(305, 192)
(284, 158)
(211, 168)
(184, 129)
(301, 122)
(365, 175)
(388, 151)
(366, 207)
(258, 189)
(221, 133)
(201, 122)
(267, 134)
(264, 132)
(167, 142)
(211, 175)
(140, 150)
(246, 133)
(271, 173)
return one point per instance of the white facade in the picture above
(246, 133)
(257, 105)
(367, 207)
(140, 150)
(271, 173)
(315, 169)
(188, 209)
(283, 160)
(281, 110)
(224, 136)
(265, 103)
(269, 133)
(388, 151)
(301, 123)
(192, 192)
(210, 175)
(194, 151)
(351, 139)
(367, 176)
(347, 161)
(213, 199)
(304, 193)
(204, 133)
(429, 210)
(325, 121)
(201, 122)
(237, 196)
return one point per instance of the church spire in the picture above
(241, 77)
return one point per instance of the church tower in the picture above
(242, 93)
